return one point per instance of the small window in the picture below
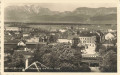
(90, 44)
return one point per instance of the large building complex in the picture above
(89, 42)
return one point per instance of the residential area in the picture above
(60, 47)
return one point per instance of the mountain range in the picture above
(37, 14)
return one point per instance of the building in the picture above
(90, 42)
(12, 29)
(21, 43)
(25, 34)
(25, 29)
(111, 30)
(91, 59)
(33, 39)
(109, 36)
(64, 41)
(62, 30)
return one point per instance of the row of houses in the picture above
(89, 41)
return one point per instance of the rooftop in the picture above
(108, 42)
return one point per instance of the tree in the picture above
(76, 41)
(53, 38)
(18, 60)
(102, 50)
(67, 67)
(51, 60)
(61, 56)
(84, 68)
(109, 62)
(40, 51)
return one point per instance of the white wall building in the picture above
(11, 29)
(109, 36)
(21, 43)
(34, 39)
(90, 42)
(62, 30)
(64, 41)
(25, 35)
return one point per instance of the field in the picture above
(89, 27)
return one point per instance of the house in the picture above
(62, 30)
(53, 30)
(25, 34)
(33, 39)
(109, 36)
(25, 29)
(21, 43)
(64, 41)
(11, 29)
(111, 30)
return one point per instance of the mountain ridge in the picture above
(34, 13)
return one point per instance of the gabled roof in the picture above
(109, 33)
(73, 36)
(35, 67)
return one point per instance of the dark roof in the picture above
(107, 42)
(88, 34)
(73, 36)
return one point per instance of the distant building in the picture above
(109, 36)
(12, 29)
(33, 39)
(62, 30)
(64, 41)
(111, 30)
(25, 34)
(25, 29)
(53, 30)
(21, 43)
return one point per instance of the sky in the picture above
(64, 5)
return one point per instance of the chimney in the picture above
(26, 63)
(25, 49)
